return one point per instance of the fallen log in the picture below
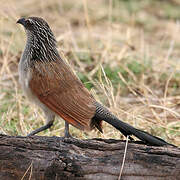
(56, 158)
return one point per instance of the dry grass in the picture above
(126, 53)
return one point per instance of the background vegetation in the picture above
(127, 53)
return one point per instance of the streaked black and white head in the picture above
(41, 43)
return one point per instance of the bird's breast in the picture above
(25, 76)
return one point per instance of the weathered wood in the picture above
(55, 158)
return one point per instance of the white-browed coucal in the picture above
(48, 81)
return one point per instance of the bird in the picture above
(49, 82)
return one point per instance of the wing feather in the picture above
(55, 84)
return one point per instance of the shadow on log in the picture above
(55, 158)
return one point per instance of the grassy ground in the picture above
(127, 53)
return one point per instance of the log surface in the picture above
(55, 158)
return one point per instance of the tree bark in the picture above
(55, 158)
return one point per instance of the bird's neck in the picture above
(41, 49)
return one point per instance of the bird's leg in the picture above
(42, 128)
(50, 120)
(66, 131)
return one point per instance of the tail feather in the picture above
(103, 114)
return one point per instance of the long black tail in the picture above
(103, 114)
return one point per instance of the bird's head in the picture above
(34, 24)
(40, 38)
(38, 28)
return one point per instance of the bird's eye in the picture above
(28, 21)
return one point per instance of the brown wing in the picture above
(57, 87)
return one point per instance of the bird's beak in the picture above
(21, 21)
